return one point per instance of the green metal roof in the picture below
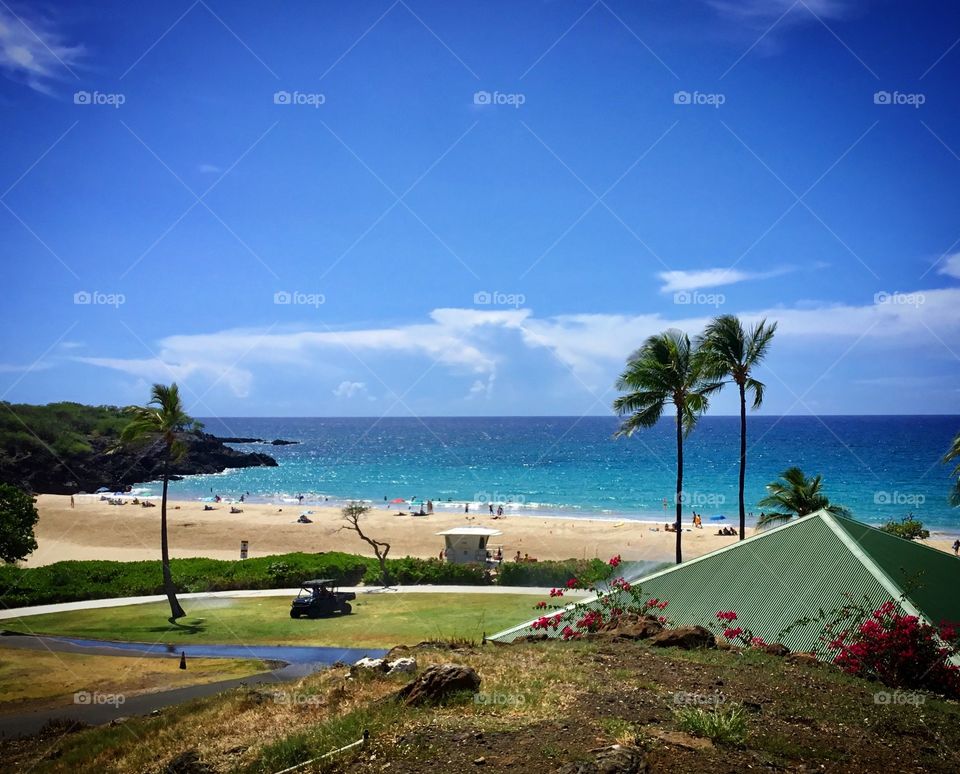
(818, 562)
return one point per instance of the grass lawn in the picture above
(377, 621)
(35, 678)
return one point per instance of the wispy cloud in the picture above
(711, 278)
(347, 389)
(768, 10)
(950, 266)
(33, 51)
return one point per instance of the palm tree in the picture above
(666, 369)
(731, 352)
(793, 494)
(162, 420)
(954, 454)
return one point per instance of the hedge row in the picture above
(79, 580)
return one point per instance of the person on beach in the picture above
(517, 557)
(500, 511)
(71, 505)
(956, 545)
(466, 508)
(490, 506)
(429, 506)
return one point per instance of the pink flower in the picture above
(614, 561)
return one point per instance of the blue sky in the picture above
(434, 208)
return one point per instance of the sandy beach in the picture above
(94, 529)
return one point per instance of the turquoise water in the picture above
(880, 467)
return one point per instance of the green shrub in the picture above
(552, 573)
(412, 571)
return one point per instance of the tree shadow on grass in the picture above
(197, 626)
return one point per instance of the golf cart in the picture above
(320, 597)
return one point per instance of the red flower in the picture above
(556, 592)
(732, 633)
(730, 616)
(573, 583)
(614, 561)
(541, 605)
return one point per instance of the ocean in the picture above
(881, 467)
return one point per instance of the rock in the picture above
(369, 665)
(402, 666)
(437, 682)
(282, 442)
(777, 649)
(480, 761)
(188, 762)
(686, 637)
(618, 759)
(119, 721)
(632, 628)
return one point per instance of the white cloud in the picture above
(32, 51)
(347, 389)
(209, 169)
(951, 266)
(711, 278)
(591, 346)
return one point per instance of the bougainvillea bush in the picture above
(900, 651)
(614, 600)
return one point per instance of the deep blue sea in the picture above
(879, 467)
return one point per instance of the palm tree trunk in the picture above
(169, 589)
(679, 500)
(743, 457)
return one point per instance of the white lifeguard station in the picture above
(467, 545)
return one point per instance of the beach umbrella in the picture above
(102, 489)
(718, 517)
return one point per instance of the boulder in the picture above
(617, 759)
(369, 665)
(777, 649)
(686, 637)
(635, 628)
(437, 682)
(406, 665)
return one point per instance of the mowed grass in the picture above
(377, 621)
(36, 678)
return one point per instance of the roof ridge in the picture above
(872, 566)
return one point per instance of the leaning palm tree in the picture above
(162, 421)
(732, 353)
(666, 369)
(793, 494)
(951, 455)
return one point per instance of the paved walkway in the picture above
(94, 604)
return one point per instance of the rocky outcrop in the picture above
(437, 682)
(243, 439)
(106, 464)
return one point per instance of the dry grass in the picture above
(30, 679)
